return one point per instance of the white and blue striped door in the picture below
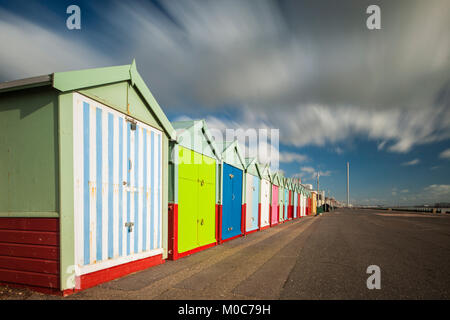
(117, 176)
(265, 203)
(252, 200)
(295, 195)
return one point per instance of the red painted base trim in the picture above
(290, 212)
(244, 218)
(253, 231)
(173, 253)
(265, 227)
(270, 214)
(259, 216)
(232, 238)
(219, 223)
(95, 278)
(29, 253)
(172, 233)
(188, 253)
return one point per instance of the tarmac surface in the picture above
(323, 257)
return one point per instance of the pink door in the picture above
(274, 207)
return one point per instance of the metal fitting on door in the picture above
(129, 225)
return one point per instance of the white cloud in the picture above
(381, 145)
(438, 189)
(445, 154)
(29, 49)
(394, 191)
(411, 163)
(292, 157)
(325, 173)
(310, 173)
(308, 169)
(429, 195)
(254, 57)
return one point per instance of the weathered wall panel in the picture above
(28, 152)
(29, 252)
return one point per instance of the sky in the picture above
(335, 90)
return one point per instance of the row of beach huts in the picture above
(96, 183)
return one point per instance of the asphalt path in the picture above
(323, 257)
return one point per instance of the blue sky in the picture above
(336, 91)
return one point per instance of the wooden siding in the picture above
(29, 252)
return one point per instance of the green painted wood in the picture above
(195, 136)
(144, 91)
(165, 195)
(29, 214)
(140, 110)
(124, 98)
(73, 80)
(231, 154)
(29, 151)
(113, 95)
(88, 78)
(66, 187)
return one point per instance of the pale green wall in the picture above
(36, 156)
(66, 221)
(116, 96)
(29, 153)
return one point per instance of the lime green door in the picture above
(207, 202)
(196, 200)
(187, 200)
(187, 221)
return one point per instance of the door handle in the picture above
(129, 225)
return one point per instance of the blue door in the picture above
(231, 202)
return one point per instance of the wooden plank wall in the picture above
(29, 252)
